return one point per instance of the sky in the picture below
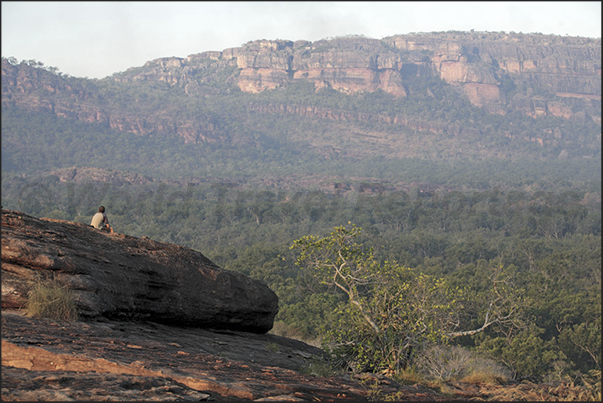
(97, 39)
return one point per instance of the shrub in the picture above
(51, 300)
(445, 363)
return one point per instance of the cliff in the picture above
(539, 75)
(481, 65)
(485, 64)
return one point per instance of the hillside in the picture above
(435, 97)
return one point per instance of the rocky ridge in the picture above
(478, 64)
(557, 76)
(568, 67)
(148, 338)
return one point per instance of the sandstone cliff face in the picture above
(346, 66)
(119, 276)
(562, 67)
(537, 74)
(475, 63)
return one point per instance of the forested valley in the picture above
(465, 237)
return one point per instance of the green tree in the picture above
(526, 352)
(391, 313)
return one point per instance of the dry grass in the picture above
(479, 378)
(49, 299)
(592, 382)
(409, 377)
(589, 390)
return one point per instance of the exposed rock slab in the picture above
(25, 385)
(162, 360)
(120, 276)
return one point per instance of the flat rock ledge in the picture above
(118, 276)
(44, 359)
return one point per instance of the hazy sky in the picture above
(96, 39)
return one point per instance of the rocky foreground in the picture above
(50, 360)
(162, 322)
(44, 359)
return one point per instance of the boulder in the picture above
(123, 277)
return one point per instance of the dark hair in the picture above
(101, 209)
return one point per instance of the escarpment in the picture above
(539, 75)
(122, 277)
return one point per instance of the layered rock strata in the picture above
(537, 74)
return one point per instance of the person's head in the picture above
(101, 209)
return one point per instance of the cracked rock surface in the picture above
(43, 359)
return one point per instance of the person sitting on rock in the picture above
(100, 220)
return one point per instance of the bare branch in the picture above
(366, 317)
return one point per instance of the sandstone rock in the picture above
(482, 94)
(390, 81)
(20, 384)
(44, 359)
(119, 276)
(257, 80)
(551, 63)
(473, 63)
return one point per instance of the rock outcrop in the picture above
(44, 359)
(33, 88)
(561, 67)
(123, 277)
(482, 65)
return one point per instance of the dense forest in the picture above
(547, 242)
(497, 216)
